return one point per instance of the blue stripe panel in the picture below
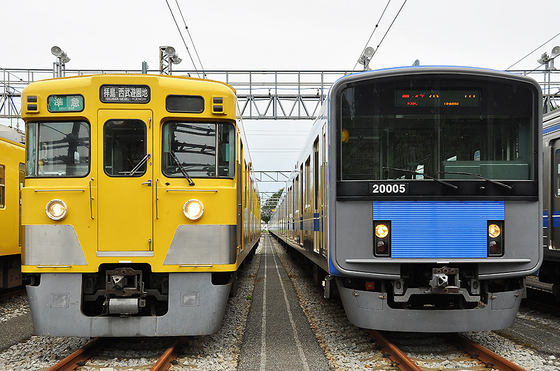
(316, 221)
(551, 129)
(545, 220)
(556, 219)
(438, 229)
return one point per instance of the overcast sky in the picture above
(277, 35)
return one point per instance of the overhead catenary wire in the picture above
(181, 34)
(538, 47)
(389, 29)
(386, 32)
(190, 37)
(372, 32)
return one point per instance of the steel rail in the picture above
(486, 356)
(81, 355)
(394, 353)
(171, 354)
(13, 292)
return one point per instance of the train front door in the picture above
(125, 182)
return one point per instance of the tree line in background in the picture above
(270, 205)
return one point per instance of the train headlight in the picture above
(382, 238)
(56, 210)
(381, 230)
(495, 239)
(193, 209)
(494, 230)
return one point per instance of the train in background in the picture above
(417, 197)
(550, 269)
(139, 206)
(12, 177)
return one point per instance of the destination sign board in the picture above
(437, 98)
(65, 103)
(124, 94)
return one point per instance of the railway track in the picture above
(480, 357)
(92, 349)
(10, 293)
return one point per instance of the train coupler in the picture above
(445, 280)
(124, 282)
(125, 305)
(124, 291)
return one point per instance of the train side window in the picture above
(58, 149)
(2, 186)
(124, 148)
(557, 176)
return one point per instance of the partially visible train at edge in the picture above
(550, 269)
(12, 170)
(417, 197)
(139, 207)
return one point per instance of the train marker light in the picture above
(193, 209)
(494, 248)
(381, 248)
(56, 210)
(345, 136)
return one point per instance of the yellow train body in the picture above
(123, 159)
(12, 157)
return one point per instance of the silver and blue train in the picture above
(550, 269)
(417, 197)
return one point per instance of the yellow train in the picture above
(12, 157)
(139, 204)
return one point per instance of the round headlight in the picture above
(494, 230)
(381, 230)
(193, 209)
(56, 209)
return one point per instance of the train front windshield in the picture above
(200, 149)
(58, 149)
(422, 128)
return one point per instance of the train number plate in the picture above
(388, 188)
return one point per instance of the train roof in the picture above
(551, 122)
(11, 134)
(151, 78)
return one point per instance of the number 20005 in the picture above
(376, 188)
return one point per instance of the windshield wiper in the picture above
(185, 174)
(423, 174)
(478, 176)
(139, 165)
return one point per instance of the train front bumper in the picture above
(196, 307)
(369, 309)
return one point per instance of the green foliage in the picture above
(270, 206)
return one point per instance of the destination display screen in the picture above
(65, 103)
(124, 93)
(437, 98)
